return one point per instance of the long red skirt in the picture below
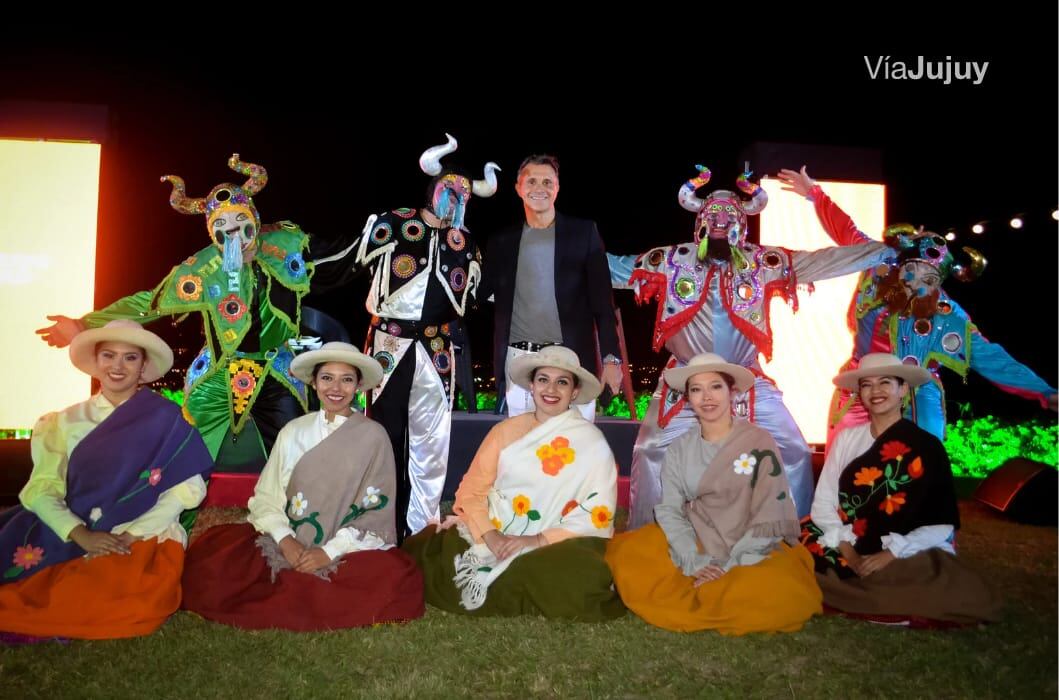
(108, 597)
(227, 580)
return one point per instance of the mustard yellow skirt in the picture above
(776, 595)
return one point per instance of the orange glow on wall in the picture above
(811, 345)
(49, 193)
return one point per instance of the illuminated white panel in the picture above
(49, 193)
(811, 345)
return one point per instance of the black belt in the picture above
(531, 347)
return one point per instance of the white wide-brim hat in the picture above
(370, 370)
(159, 354)
(881, 364)
(523, 366)
(677, 377)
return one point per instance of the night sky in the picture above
(340, 130)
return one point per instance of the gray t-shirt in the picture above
(534, 316)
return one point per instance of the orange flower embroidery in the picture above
(552, 465)
(496, 523)
(570, 505)
(893, 503)
(867, 476)
(521, 504)
(555, 456)
(860, 526)
(895, 449)
(842, 515)
(915, 468)
(601, 516)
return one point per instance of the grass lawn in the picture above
(446, 655)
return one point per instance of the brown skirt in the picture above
(929, 586)
(227, 580)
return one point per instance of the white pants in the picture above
(520, 401)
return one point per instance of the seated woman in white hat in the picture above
(724, 555)
(319, 549)
(884, 516)
(534, 510)
(96, 549)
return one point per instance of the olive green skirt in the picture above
(568, 580)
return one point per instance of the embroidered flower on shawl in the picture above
(155, 477)
(860, 526)
(372, 498)
(570, 505)
(601, 516)
(915, 468)
(96, 514)
(520, 504)
(556, 455)
(745, 464)
(867, 476)
(299, 504)
(28, 556)
(895, 449)
(893, 502)
(496, 523)
(552, 465)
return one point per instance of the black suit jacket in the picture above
(582, 290)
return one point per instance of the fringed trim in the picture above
(788, 530)
(468, 580)
(277, 562)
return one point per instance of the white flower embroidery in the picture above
(745, 464)
(96, 514)
(372, 499)
(298, 504)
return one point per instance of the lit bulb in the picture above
(1016, 222)
(978, 228)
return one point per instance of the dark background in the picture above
(339, 122)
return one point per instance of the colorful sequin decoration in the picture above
(442, 362)
(295, 265)
(404, 266)
(456, 240)
(381, 234)
(404, 212)
(232, 308)
(385, 360)
(458, 279)
(412, 231)
(245, 374)
(189, 287)
(198, 367)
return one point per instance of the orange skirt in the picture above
(775, 595)
(108, 597)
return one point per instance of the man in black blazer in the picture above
(551, 285)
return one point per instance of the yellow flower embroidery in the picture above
(521, 504)
(601, 516)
